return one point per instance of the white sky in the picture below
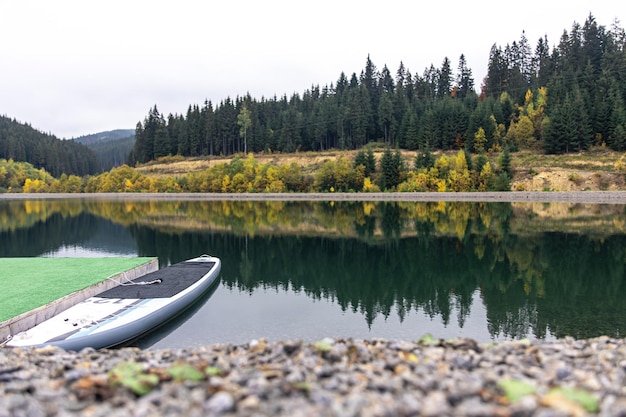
(74, 67)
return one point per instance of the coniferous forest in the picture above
(559, 99)
(21, 142)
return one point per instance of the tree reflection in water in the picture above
(540, 269)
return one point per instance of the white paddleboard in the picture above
(126, 311)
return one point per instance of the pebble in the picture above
(331, 377)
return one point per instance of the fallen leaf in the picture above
(580, 397)
(514, 389)
(560, 402)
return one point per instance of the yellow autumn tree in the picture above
(458, 178)
(415, 182)
(485, 178)
(522, 132)
(480, 139)
(34, 186)
(225, 184)
(534, 108)
(370, 187)
(240, 184)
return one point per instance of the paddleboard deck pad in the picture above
(127, 311)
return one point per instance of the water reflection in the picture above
(185, 337)
(363, 267)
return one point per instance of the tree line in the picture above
(21, 142)
(558, 100)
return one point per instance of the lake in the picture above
(360, 269)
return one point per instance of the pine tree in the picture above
(496, 73)
(464, 82)
(369, 79)
(542, 63)
(386, 170)
(208, 115)
(386, 118)
(444, 79)
(365, 157)
(505, 162)
(150, 127)
(424, 158)
(161, 141)
(411, 134)
(370, 161)
(140, 143)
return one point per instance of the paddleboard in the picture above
(126, 311)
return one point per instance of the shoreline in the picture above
(330, 377)
(592, 197)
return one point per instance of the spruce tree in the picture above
(161, 141)
(385, 180)
(366, 158)
(370, 161)
(424, 158)
(465, 81)
(444, 79)
(505, 162)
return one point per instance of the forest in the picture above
(563, 99)
(21, 142)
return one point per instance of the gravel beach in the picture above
(330, 377)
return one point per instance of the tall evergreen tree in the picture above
(444, 79)
(391, 167)
(424, 158)
(140, 143)
(542, 63)
(386, 117)
(208, 116)
(369, 79)
(464, 81)
(366, 158)
(496, 72)
(161, 141)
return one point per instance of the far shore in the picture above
(592, 197)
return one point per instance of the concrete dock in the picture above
(35, 289)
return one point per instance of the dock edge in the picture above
(38, 315)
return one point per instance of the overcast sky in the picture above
(75, 67)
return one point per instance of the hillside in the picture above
(595, 170)
(21, 142)
(111, 148)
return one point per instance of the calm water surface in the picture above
(307, 270)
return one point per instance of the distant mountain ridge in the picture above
(111, 148)
(105, 136)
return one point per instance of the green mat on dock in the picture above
(28, 283)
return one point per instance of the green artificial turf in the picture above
(28, 283)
